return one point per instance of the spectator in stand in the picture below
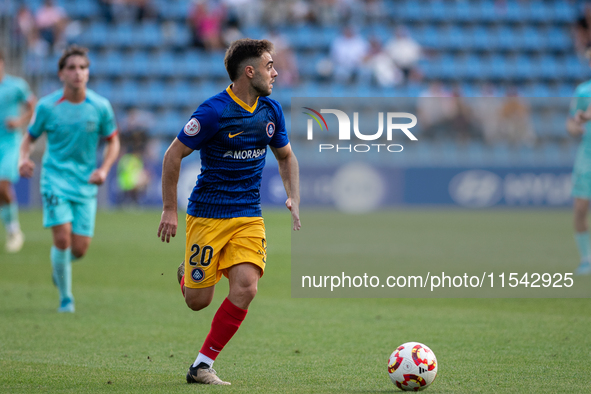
(126, 10)
(435, 109)
(461, 125)
(347, 54)
(132, 176)
(379, 65)
(285, 61)
(276, 12)
(581, 31)
(245, 12)
(373, 11)
(27, 25)
(142, 9)
(206, 18)
(514, 124)
(486, 109)
(405, 51)
(231, 31)
(51, 21)
(106, 7)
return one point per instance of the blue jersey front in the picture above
(232, 138)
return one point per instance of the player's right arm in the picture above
(28, 101)
(580, 112)
(171, 168)
(26, 166)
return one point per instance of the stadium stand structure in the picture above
(512, 44)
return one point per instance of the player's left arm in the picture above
(108, 130)
(290, 175)
(27, 108)
(580, 113)
(99, 175)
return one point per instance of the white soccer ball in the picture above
(412, 366)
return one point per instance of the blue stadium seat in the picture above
(506, 38)
(102, 86)
(530, 39)
(522, 67)
(539, 11)
(576, 69)
(558, 38)
(435, 11)
(174, 9)
(154, 94)
(147, 35)
(121, 35)
(479, 38)
(113, 64)
(546, 67)
(81, 9)
(428, 36)
(95, 36)
(189, 64)
(564, 11)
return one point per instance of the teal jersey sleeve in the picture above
(37, 125)
(24, 91)
(581, 98)
(14, 92)
(108, 125)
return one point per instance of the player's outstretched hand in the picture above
(26, 168)
(295, 214)
(168, 225)
(13, 123)
(98, 177)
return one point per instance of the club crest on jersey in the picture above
(197, 275)
(90, 126)
(192, 127)
(270, 129)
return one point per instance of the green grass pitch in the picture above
(132, 332)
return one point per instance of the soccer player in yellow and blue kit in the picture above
(578, 126)
(16, 107)
(74, 119)
(225, 230)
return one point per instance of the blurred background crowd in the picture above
(503, 70)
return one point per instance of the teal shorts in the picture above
(59, 210)
(9, 151)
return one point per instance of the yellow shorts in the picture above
(214, 245)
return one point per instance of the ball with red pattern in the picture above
(412, 366)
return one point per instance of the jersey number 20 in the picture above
(206, 255)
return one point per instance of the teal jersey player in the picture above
(16, 107)
(73, 134)
(582, 167)
(74, 119)
(578, 125)
(14, 93)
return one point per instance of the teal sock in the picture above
(9, 216)
(62, 272)
(584, 245)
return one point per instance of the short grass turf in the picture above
(132, 332)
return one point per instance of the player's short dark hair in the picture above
(244, 49)
(72, 50)
(1, 54)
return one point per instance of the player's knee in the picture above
(4, 195)
(196, 304)
(61, 242)
(79, 252)
(245, 293)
